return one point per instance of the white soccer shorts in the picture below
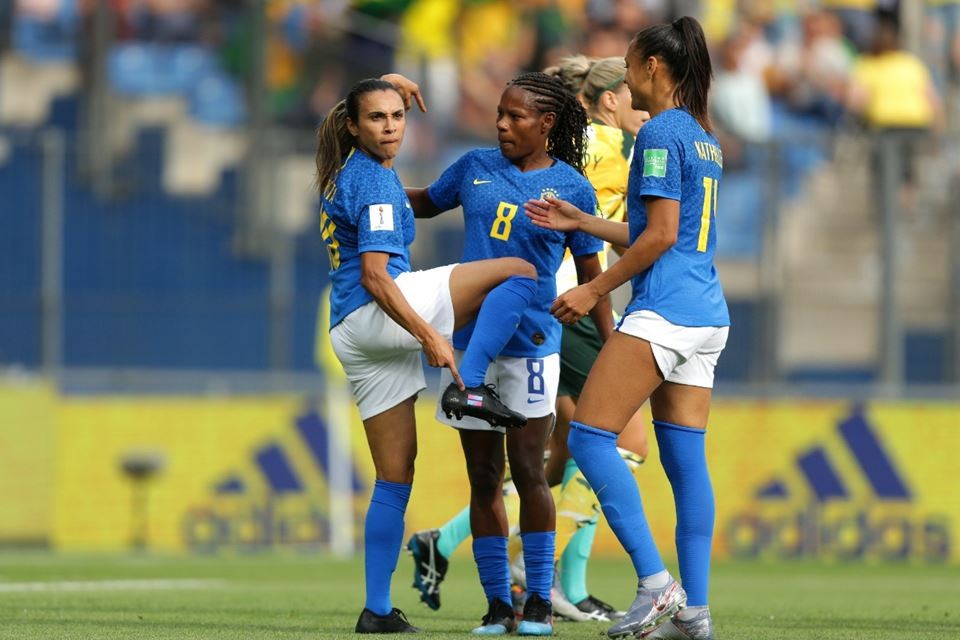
(381, 358)
(685, 355)
(526, 385)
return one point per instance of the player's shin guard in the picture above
(595, 451)
(538, 562)
(573, 563)
(570, 469)
(496, 323)
(454, 532)
(383, 536)
(685, 463)
(490, 553)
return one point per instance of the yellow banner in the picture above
(793, 479)
(27, 461)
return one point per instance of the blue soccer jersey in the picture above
(675, 158)
(368, 211)
(492, 192)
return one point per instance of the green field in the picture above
(290, 596)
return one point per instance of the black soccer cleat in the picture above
(597, 609)
(498, 621)
(429, 566)
(479, 402)
(537, 617)
(393, 622)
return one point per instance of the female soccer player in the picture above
(598, 84)
(614, 125)
(540, 129)
(382, 315)
(667, 345)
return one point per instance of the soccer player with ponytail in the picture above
(383, 315)
(541, 135)
(667, 345)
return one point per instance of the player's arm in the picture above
(663, 224)
(423, 206)
(588, 268)
(377, 280)
(560, 215)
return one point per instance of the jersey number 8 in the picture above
(503, 222)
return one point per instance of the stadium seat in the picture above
(46, 40)
(187, 65)
(144, 69)
(135, 70)
(218, 100)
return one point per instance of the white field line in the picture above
(109, 585)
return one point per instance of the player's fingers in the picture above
(456, 374)
(420, 103)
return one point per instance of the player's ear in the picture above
(547, 121)
(352, 128)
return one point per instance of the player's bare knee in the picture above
(527, 475)
(484, 480)
(520, 267)
(399, 471)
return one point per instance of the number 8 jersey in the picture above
(492, 192)
(675, 158)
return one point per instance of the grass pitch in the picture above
(290, 596)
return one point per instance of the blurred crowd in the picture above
(782, 66)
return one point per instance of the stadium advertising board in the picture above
(793, 479)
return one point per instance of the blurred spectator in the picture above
(942, 41)
(496, 39)
(428, 53)
(894, 92)
(603, 40)
(740, 101)
(811, 74)
(857, 18)
(373, 37)
(892, 88)
(166, 20)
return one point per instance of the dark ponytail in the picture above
(334, 140)
(567, 139)
(682, 46)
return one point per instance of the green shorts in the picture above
(579, 347)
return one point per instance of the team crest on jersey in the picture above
(549, 192)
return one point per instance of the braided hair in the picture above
(567, 139)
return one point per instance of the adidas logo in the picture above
(827, 518)
(238, 515)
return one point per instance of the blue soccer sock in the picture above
(382, 537)
(454, 532)
(683, 456)
(569, 470)
(496, 323)
(538, 547)
(493, 565)
(595, 451)
(573, 563)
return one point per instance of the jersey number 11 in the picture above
(709, 208)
